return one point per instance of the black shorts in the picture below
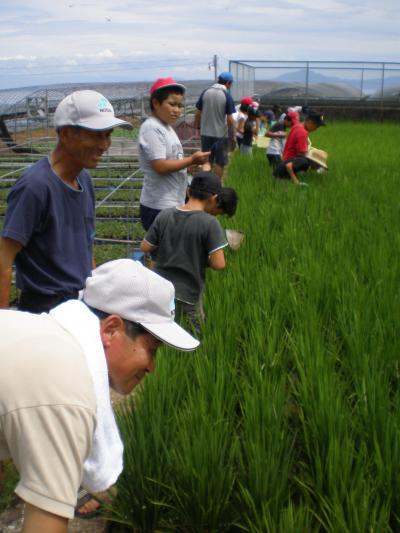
(218, 146)
(147, 216)
(274, 160)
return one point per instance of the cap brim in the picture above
(104, 123)
(169, 85)
(172, 334)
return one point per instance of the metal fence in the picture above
(378, 83)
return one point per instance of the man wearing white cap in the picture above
(49, 224)
(56, 420)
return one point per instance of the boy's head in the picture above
(218, 200)
(162, 89)
(225, 78)
(313, 120)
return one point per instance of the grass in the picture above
(287, 416)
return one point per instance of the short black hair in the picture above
(162, 94)
(244, 107)
(199, 195)
(132, 329)
(227, 200)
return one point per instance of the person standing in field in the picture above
(213, 117)
(50, 220)
(188, 239)
(297, 141)
(161, 154)
(249, 131)
(240, 117)
(56, 418)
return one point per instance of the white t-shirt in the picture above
(160, 141)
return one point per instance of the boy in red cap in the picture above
(161, 154)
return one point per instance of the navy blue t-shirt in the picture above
(55, 224)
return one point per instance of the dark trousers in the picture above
(35, 302)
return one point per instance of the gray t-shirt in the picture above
(184, 240)
(215, 104)
(159, 141)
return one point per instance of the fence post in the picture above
(307, 79)
(362, 84)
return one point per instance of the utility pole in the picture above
(214, 64)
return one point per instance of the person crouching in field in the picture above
(290, 169)
(189, 239)
(297, 141)
(277, 135)
(250, 130)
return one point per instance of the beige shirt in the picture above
(47, 409)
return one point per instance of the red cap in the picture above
(247, 100)
(161, 83)
(294, 116)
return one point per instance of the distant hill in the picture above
(372, 84)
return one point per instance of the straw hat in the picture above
(318, 156)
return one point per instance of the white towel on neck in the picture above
(104, 463)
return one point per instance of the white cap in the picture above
(87, 109)
(128, 289)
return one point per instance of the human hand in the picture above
(302, 184)
(199, 158)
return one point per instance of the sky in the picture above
(57, 41)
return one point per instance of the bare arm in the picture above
(216, 259)
(8, 250)
(39, 520)
(275, 135)
(293, 177)
(240, 126)
(166, 166)
(146, 247)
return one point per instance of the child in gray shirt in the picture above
(188, 239)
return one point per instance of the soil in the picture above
(11, 521)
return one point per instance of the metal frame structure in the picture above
(355, 74)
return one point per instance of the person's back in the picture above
(297, 140)
(188, 240)
(54, 391)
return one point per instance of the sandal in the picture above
(83, 497)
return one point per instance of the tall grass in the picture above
(286, 419)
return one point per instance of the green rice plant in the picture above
(148, 425)
(203, 458)
(286, 419)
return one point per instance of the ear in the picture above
(109, 327)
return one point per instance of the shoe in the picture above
(83, 497)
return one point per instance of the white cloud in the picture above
(155, 32)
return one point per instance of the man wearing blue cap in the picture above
(215, 108)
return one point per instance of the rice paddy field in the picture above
(287, 418)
